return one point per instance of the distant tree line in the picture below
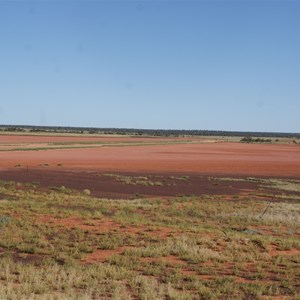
(149, 132)
(249, 139)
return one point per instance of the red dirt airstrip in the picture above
(207, 159)
(200, 158)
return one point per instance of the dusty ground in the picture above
(105, 170)
(212, 158)
(108, 185)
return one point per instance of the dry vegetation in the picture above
(62, 244)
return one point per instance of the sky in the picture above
(208, 65)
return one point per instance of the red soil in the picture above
(174, 260)
(102, 226)
(104, 186)
(215, 158)
(101, 255)
(83, 168)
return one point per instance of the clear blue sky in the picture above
(227, 65)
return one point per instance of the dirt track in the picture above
(206, 159)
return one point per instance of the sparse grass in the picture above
(87, 192)
(48, 146)
(200, 247)
(134, 180)
(285, 185)
(183, 177)
(290, 185)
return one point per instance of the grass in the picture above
(134, 180)
(291, 185)
(91, 144)
(62, 244)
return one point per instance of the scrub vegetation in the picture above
(64, 244)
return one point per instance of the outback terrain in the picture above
(139, 217)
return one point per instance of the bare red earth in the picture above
(85, 168)
(213, 158)
(104, 186)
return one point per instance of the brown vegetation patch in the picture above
(103, 226)
(277, 297)
(149, 259)
(162, 232)
(170, 259)
(277, 231)
(103, 186)
(274, 251)
(174, 260)
(28, 258)
(242, 280)
(7, 197)
(188, 272)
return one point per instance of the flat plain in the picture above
(135, 217)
